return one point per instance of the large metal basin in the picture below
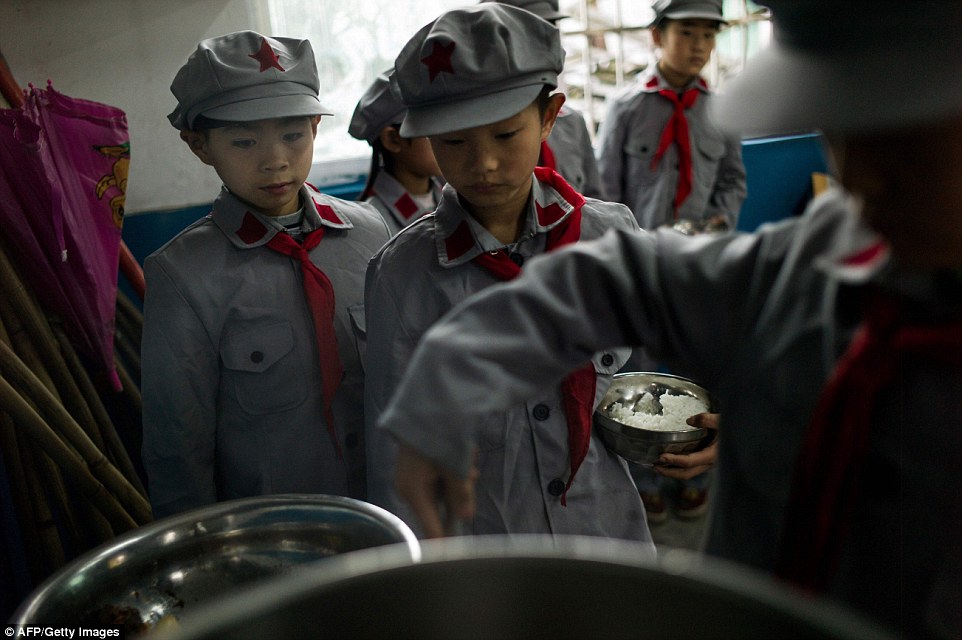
(535, 587)
(168, 568)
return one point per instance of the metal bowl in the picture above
(160, 571)
(524, 587)
(643, 446)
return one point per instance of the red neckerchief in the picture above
(547, 157)
(578, 388)
(676, 131)
(829, 467)
(320, 299)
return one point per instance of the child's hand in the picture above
(423, 484)
(687, 466)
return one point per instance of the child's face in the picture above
(910, 186)
(417, 157)
(686, 47)
(264, 162)
(490, 166)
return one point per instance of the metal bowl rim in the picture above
(210, 513)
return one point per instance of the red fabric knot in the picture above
(578, 388)
(676, 132)
(834, 449)
(320, 300)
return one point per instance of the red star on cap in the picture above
(266, 56)
(439, 60)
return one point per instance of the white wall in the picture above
(125, 53)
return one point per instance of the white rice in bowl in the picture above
(676, 409)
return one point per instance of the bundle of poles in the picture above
(69, 443)
(72, 481)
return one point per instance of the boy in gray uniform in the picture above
(658, 150)
(477, 82)
(252, 379)
(834, 342)
(403, 181)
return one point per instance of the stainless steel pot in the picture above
(522, 587)
(170, 567)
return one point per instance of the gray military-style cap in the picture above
(244, 76)
(547, 9)
(687, 10)
(474, 66)
(377, 108)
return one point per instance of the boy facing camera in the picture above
(252, 380)
(477, 82)
(659, 151)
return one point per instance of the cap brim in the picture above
(689, 15)
(269, 107)
(784, 90)
(551, 16)
(473, 111)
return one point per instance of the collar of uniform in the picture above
(399, 202)
(460, 238)
(247, 229)
(858, 261)
(653, 82)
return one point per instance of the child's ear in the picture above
(197, 141)
(555, 102)
(315, 120)
(391, 139)
(656, 34)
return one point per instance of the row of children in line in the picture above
(478, 393)
(645, 154)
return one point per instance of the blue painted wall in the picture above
(779, 176)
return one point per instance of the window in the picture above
(607, 44)
(354, 41)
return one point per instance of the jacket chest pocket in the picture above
(262, 372)
(711, 146)
(641, 145)
(639, 150)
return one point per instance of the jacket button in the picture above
(556, 487)
(541, 412)
(607, 360)
(257, 357)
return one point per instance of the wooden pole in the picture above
(30, 423)
(44, 526)
(16, 476)
(66, 427)
(115, 449)
(30, 314)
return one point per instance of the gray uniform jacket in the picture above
(395, 204)
(231, 377)
(574, 156)
(414, 280)
(760, 320)
(628, 141)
